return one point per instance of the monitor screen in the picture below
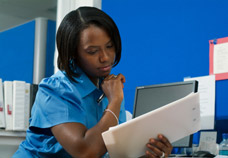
(148, 98)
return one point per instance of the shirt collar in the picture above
(84, 84)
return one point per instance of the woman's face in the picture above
(96, 53)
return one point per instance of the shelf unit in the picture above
(9, 141)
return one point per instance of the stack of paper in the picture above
(2, 114)
(175, 121)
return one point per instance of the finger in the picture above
(122, 78)
(155, 147)
(110, 77)
(149, 154)
(114, 76)
(164, 140)
(162, 144)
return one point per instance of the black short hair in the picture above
(68, 35)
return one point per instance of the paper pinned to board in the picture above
(221, 58)
(206, 90)
(174, 120)
(218, 58)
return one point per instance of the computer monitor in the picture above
(148, 98)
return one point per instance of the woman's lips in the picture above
(105, 68)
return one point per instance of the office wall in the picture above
(17, 51)
(167, 40)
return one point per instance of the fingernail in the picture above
(152, 140)
(147, 152)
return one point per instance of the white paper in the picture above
(208, 142)
(206, 88)
(174, 120)
(220, 58)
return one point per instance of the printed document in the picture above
(206, 89)
(220, 58)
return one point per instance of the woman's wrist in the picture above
(114, 106)
(115, 102)
(114, 115)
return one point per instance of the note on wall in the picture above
(221, 58)
(218, 58)
(206, 89)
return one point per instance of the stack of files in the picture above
(21, 105)
(8, 98)
(174, 120)
(27, 105)
(17, 105)
(2, 114)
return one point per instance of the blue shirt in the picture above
(60, 100)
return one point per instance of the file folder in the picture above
(174, 120)
(8, 104)
(18, 105)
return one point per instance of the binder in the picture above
(33, 91)
(8, 104)
(2, 114)
(18, 105)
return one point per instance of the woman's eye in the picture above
(92, 52)
(110, 46)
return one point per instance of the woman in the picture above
(67, 120)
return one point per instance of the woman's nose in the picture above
(104, 56)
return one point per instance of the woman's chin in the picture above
(105, 74)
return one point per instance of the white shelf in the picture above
(12, 133)
(11, 137)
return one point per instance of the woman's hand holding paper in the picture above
(160, 147)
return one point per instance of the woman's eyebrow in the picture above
(94, 46)
(109, 42)
(91, 47)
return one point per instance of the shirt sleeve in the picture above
(57, 101)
